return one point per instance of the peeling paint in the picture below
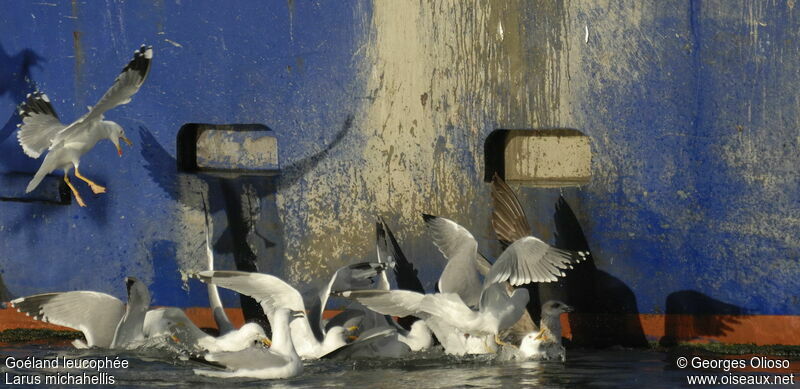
(432, 70)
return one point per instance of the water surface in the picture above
(584, 368)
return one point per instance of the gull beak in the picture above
(568, 308)
(296, 314)
(266, 342)
(127, 141)
(352, 329)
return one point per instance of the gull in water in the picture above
(104, 320)
(309, 335)
(544, 344)
(419, 337)
(381, 336)
(280, 360)
(107, 322)
(174, 325)
(42, 130)
(496, 309)
(461, 289)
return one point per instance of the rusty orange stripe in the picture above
(761, 330)
(756, 329)
(202, 317)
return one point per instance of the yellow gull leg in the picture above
(97, 189)
(74, 191)
(501, 342)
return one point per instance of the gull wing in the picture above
(449, 237)
(93, 313)
(449, 308)
(251, 358)
(483, 265)
(460, 275)
(39, 125)
(356, 276)
(388, 302)
(380, 342)
(125, 86)
(532, 260)
(405, 273)
(270, 291)
(508, 217)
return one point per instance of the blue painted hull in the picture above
(382, 109)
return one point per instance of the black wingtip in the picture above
(36, 102)
(380, 231)
(428, 218)
(129, 281)
(140, 62)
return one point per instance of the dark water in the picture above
(584, 368)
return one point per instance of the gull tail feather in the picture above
(37, 179)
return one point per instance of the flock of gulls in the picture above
(477, 308)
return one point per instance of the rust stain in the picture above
(290, 6)
(80, 58)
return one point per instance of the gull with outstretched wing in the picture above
(527, 258)
(41, 130)
(103, 319)
(309, 335)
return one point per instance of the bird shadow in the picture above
(298, 169)
(691, 315)
(16, 82)
(5, 294)
(607, 311)
(241, 220)
(250, 233)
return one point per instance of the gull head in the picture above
(335, 337)
(531, 345)
(115, 134)
(555, 308)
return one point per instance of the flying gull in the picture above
(42, 130)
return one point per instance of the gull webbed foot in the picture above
(96, 189)
(75, 193)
